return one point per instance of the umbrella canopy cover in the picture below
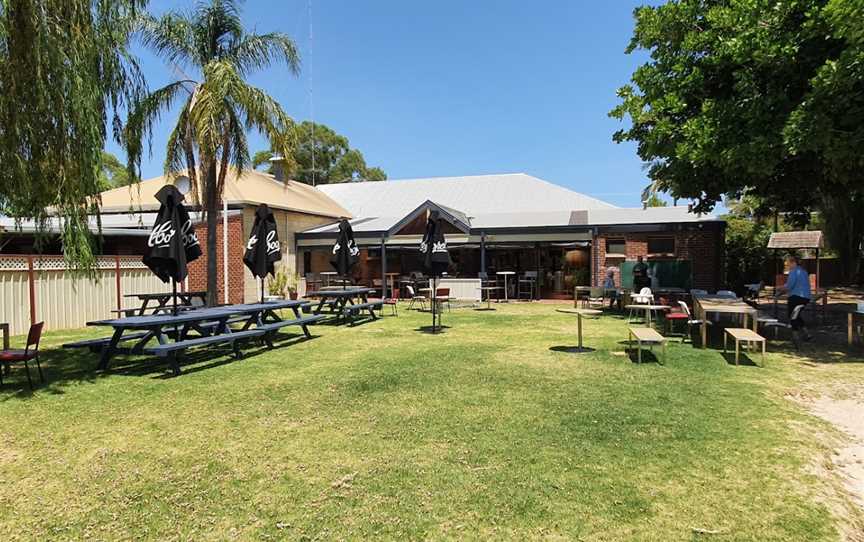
(172, 244)
(346, 253)
(263, 249)
(433, 247)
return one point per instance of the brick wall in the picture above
(236, 268)
(704, 248)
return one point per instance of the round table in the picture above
(505, 274)
(647, 308)
(579, 314)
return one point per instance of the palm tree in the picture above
(209, 137)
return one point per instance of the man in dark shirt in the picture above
(640, 275)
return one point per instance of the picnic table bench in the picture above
(212, 326)
(745, 335)
(648, 336)
(349, 311)
(162, 299)
(345, 302)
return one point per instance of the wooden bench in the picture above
(170, 350)
(743, 335)
(348, 311)
(645, 335)
(96, 345)
(272, 327)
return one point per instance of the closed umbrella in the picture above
(262, 249)
(345, 252)
(172, 243)
(436, 258)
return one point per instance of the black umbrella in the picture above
(172, 244)
(262, 250)
(345, 251)
(436, 258)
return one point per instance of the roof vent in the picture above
(277, 166)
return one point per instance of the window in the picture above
(661, 245)
(616, 246)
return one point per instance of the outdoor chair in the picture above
(442, 295)
(528, 285)
(726, 293)
(393, 302)
(698, 293)
(596, 298)
(30, 352)
(691, 321)
(415, 298)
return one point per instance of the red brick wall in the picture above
(236, 248)
(704, 248)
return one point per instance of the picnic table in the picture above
(704, 305)
(162, 300)
(648, 308)
(345, 302)
(210, 325)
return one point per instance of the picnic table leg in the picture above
(639, 352)
(304, 327)
(579, 328)
(764, 341)
(725, 342)
(109, 349)
(664, 353)
(851, 328)
(704, 330)
(173, 363)
(737, 350)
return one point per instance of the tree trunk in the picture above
(212, 210)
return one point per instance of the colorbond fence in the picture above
(41, 288)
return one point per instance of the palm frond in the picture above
(258, 51)
(171, 37)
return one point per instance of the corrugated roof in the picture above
(796, 239)
(651, 215)
(252, 188)
(472, 195)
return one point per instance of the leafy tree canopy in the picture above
(753, 97)
(335, 160)
(114, 173)
(65, 73)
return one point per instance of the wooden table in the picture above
(745, 335)
(212, 326)
(704, 305)
(579, 314)
(645, 335)
(162, 300)
(488, 290)
(647, 308)
(850, 334)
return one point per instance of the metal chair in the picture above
(527, 284)
(691, 321)
(442, 295)
(596, 298)
(393, 302)
(8, 357)
(415, 298)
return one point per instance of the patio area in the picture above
(491, 429)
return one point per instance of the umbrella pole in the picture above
(434, 297)
(174, 294)
(262, 290)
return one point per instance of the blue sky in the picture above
(443, 88)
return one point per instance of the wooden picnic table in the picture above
(212, 326)
(344, 302)
(705, 305)
(162, 300)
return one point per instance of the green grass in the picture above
(485, 431)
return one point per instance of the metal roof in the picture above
(472, 195)
(250, 188)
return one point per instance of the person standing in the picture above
(798, 288)
(640, 275)
(610, 289)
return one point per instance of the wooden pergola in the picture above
(796, 240)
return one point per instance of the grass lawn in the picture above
(486, 431)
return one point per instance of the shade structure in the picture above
(436, 260)
(346, 253)
(172, 243)
(263, 249)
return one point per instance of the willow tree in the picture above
(65, 74)
(209, 137)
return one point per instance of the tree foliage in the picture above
(209, 137)
(65, 75)
(753, 97)
(334, 159)
(114, 173)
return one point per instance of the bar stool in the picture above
(528, 284)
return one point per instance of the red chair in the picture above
(393, 301)
(442, 295)
(8, 357)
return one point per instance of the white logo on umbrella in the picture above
(190, 238)
(272, 243)
(161, 235)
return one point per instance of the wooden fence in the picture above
(40, 288)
